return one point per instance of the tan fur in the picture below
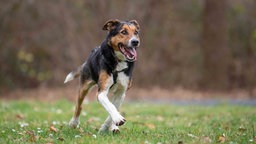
(83, 90)
(130, 84)
(102, 80)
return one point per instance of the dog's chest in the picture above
(121, 66)
(121, 79)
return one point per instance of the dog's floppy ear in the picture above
(135, 23)
(111, 24)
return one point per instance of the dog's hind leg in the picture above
(105, 126)
(83, 90)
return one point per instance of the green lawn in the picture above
(37, 122)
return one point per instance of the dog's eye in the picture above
(136, 32)
(124, 32)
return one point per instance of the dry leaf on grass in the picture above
(150, 125)
(60, 139)
(32, 137)
(241, 128)
(53, 129)
(222, 139)
(19, 116)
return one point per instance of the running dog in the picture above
(110, 67)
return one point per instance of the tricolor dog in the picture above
(110, 67)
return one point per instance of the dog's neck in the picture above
(110, 58)
(109, 55)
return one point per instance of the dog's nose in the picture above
(135, 42)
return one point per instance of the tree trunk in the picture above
(215, 45)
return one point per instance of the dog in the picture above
(110, 67)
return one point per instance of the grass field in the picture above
(37, 122)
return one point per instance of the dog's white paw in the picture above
(74, 122)
(114, 128)
(118, 119)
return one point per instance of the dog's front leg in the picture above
(105, 82)
(118, 99)
(111, 109)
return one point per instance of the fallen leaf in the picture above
(32, 137)
(222, 139)
(81, 130)
(53, 129)
(150, 125)
(159, 135)
(87, 134)
(241, 128)
(20, 116)
(60, 139)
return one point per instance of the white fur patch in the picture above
(123, 79)
(74, 122)
(121, 65)
(113, 127)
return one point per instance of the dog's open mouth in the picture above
(129, 52)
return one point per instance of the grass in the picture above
(37, 122)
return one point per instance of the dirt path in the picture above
(177, 95)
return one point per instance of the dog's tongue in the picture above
(132, 53)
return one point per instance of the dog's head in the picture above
(124, 38)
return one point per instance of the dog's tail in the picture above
(74, 74)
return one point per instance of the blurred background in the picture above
(186, 46)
